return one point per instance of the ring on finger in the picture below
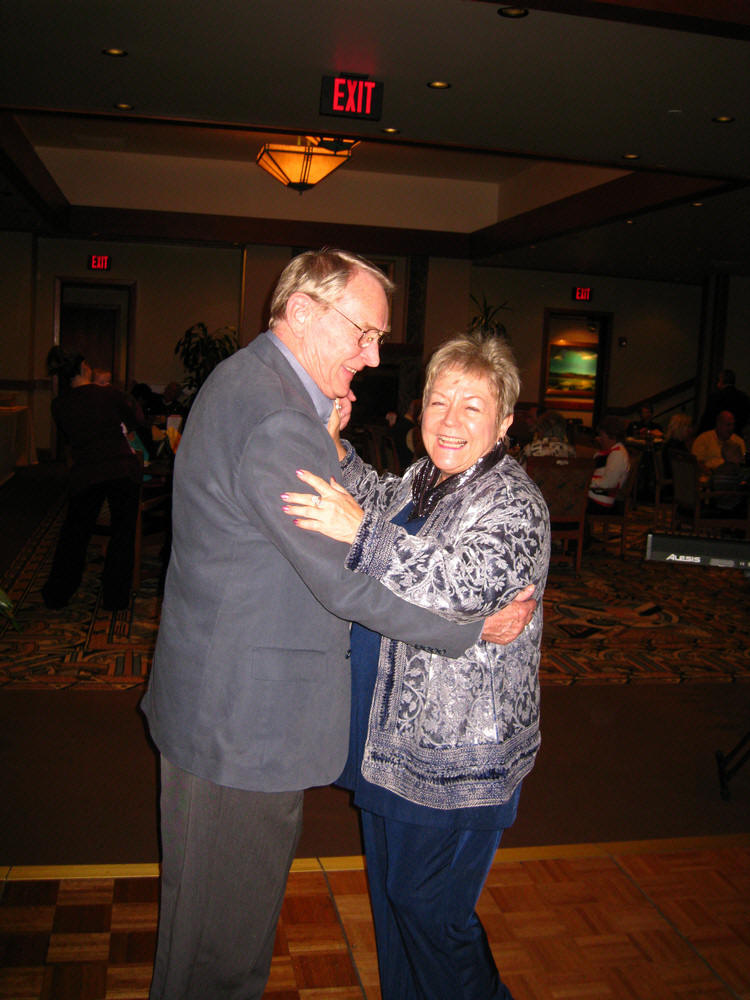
(316, 501)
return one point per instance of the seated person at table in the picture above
(677, 438)
(645, 425)
(707, 446)
(172, 400)
(550, 438)
(730, 476)
(611, 467)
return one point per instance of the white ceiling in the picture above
(214, 78)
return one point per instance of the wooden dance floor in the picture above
(655, 920)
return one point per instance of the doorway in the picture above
(575, 363)
(95, 320)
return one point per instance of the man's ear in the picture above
(300, 310)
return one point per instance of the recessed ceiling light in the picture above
(723, 119)
(628, 222)
(390, 130)
(118, 53)
(123, 106)
(631, 156)
(696, 204)
(514, 12)
(439, 85)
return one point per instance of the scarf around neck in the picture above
(427, 492)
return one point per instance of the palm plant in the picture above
(485, 319)
(6, 608)
(201, 351)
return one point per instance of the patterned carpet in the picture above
(620, 621)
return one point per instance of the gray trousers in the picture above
(226, 854)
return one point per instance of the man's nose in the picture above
(371, 354)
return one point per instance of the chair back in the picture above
(685, 488)
(627, 493)
(564, 483)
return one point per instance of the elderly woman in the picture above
(439, 747)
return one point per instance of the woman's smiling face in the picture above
(460, 421)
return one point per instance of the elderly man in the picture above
(707, 446)
(248, 701)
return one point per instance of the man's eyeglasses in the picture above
(366, 337)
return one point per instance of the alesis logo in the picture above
(674, 557)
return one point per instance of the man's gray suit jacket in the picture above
(250, 683)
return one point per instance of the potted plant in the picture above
(201, 351)
(485, 319)
(6, 608)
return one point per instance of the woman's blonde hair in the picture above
(679, 427)
(487, 357)
(323, 275)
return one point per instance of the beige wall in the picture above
(15, 306)
(447, 304)
(660, 321)
(176, 286)
(737, 344)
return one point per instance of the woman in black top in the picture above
(93, 420)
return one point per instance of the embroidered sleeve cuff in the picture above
(371, 551)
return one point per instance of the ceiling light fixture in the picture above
(390, 130)
(439, 85)
(333, 143)
(631, 156)
(722, 119)
(117, 53)
(123, 106)
(513, 12)
(302, 166)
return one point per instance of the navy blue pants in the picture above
(424, 886)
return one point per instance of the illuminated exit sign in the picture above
(583, 294)
(99, 262)
(351, 96)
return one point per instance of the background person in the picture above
(439, 747)
(91, 419)
(645, 425)
(707, 446)
(248, 700)
(611, 467)
(729, 481)
(550, 438)
(726, 396)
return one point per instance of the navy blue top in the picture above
(365, 646)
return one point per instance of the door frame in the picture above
(125, 351)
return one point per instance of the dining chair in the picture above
(662, 492)
(564, 483)
(696, 507)
(625, 504)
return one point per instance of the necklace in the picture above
(427, 492)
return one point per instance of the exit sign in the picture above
(351, 96)
(583, 294)
(99, 262)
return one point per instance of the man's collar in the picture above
(323, 405)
